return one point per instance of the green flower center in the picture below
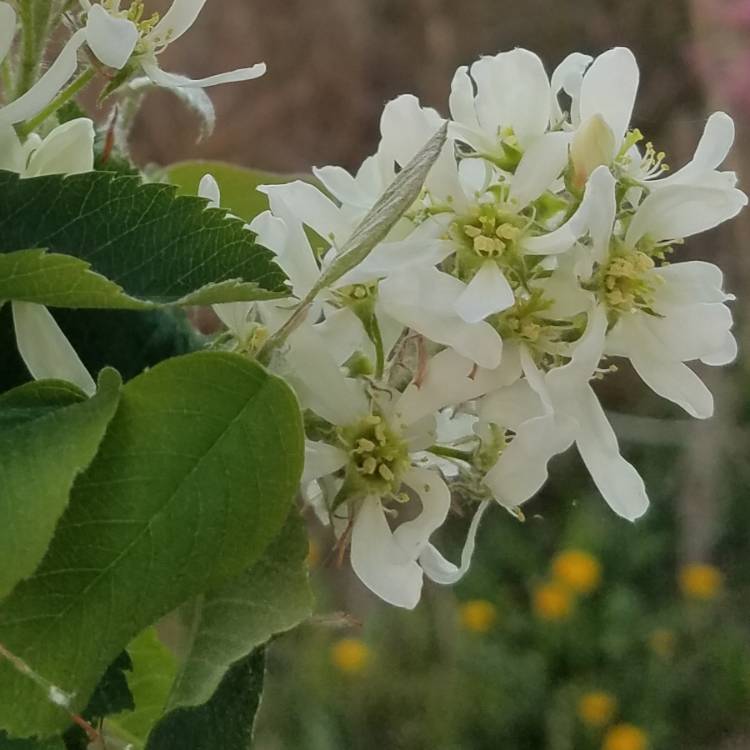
(378, 456)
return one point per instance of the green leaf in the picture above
(192, 481)
(225, 625)
(225, 722)
(6, 743)
(58, 280)
(154, 670)
(160, 248)
(49, 433)
(238, 184)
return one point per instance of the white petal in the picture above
(678, 211)
(112, 40)
(542, 163)
(310, 206)
(391, 257)
(175, 81)
(595, 214)
(712, 149)
(68, 149)
(7, 29)
(441, 570)
(724, 354)
(342, 186)
(461, 101)
(675, 382)
(488, 292)
(412, 536)
(321, 459)
(405, 127)
(209, 189)
(568, 77)
(565, 381)
(287, 239)
(451, 379)
(686, 331)
(521, 470)
(379, 561)
(423, 300)
(689, 282)
(48, 86)
(234, 315)
(343, 334)
(617, 480)
(609, 88)
(45, 349)
(320, 383)
(513, 91)
(176, 21)
(12, 152)
(511, 406)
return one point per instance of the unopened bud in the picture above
(592, 146)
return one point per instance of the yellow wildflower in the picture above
(350, 655)
(552, 601)
(596, 709)
(478, 615)
(625, 737)
(701, 581)
(578, 570)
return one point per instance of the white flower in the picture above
(378, 444)
(608, 91)
(68, 149)
(565, 409)
(115, 35)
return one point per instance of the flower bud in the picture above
(592, 146)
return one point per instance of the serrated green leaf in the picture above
(61, 280)
(154, 670)
(192, 481)
(157, 246)
(225, 625)
(225, 722)
(49, 433)
(238, 184)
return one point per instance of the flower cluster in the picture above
(457, 358)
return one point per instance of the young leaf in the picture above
(225, 722)
(228, 623)
(156, 246)
(49, 433)
(192, 481)
(154, 670)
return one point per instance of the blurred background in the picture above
(574, 630)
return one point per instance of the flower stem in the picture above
(62, 98)
(36, 20)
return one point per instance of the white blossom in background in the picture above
(118, 35)
(536, 255)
